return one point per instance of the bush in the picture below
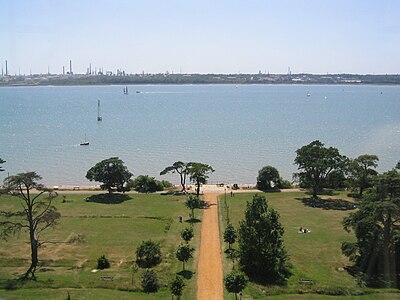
(146, 184)
(103, 263)
(149, 281)
(148, 254)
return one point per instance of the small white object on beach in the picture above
(94, 271)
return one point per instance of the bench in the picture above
(106, 278)
(306, 281)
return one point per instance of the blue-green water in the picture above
(235, 129)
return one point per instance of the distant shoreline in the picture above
(204, 84)
(196, 79)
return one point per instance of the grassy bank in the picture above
(318, 264)
(89, 229)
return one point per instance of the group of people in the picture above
(304, 230)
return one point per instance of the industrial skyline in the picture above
(310, 36)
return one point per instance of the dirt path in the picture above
(209, 277)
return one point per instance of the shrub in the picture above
(148, 254)
(149, 281)
(146, 184)
(103, 263)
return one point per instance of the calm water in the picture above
(235, 129)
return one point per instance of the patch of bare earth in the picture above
(209, 277)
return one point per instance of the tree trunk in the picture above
(387, 259)
(198, 188)
(183, 183)
(30, 273)
(314, 192)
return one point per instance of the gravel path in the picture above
(209, 278)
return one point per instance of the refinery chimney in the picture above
(70, 67)
(6, 68)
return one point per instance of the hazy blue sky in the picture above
(207, 36)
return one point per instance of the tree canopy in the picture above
(35, 216)
(199, 174)
(376, 225)
(180, 168)
(315, 163)
(268, 178)
(361, 172)
(184, 253)
(262, 254)
(111, 172)
(235, 282)
(230, 235)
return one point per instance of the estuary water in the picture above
(235, 129)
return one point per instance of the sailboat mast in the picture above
(98, 111)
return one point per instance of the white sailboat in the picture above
(85, 143)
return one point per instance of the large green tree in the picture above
(268, 177)
(315, 163)
(36, 213)
(199, 174)
(262, 254)
(361, 172)
(180, 168)
(376, 224)
(111, 172)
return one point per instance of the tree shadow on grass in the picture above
(108, 199)
(328, 204)
(193, 221)
(186, 274)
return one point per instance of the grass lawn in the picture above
(115, 230)
(315, 256)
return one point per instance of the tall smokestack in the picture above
(63, 70)
(70, 66)
(6, 68)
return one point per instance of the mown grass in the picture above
(315, 256)
(98, 228)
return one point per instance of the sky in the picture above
(207, 36)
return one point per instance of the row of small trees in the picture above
(114, 175)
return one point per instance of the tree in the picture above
(192, 202)
(180, 168)
(112, 172)
(184, 253)
(36, 215)
(187, 234)
(362, 171)
(316, 163)
(148, 254)
(176, 287)
(146, 184)
(1, 162)
(230, 235)
(199, 174)
(262, 254)
(149, 281)
(267, 177)
(235, 282)
(376, 225)
(103, 263)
